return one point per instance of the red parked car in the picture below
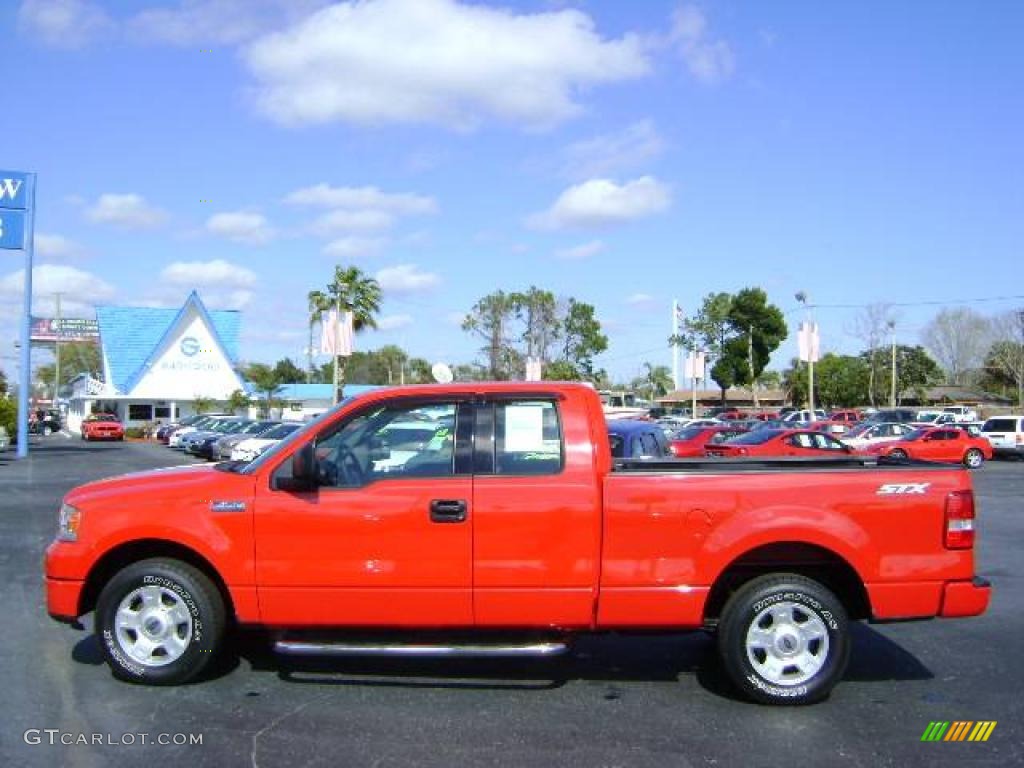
(780, 442)
(849, 416)
(691, 441)
(938, 444)
(102, 426)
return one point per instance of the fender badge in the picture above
(227, 506)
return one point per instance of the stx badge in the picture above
(890, 489)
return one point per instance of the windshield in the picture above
(618, 446)
(760, 437)
(689, 433)
(916, 434)
(859, 430)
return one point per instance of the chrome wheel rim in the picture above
(153, 626)
(974, 459)
(787, 643)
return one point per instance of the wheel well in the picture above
(810, 560)
(143, 549)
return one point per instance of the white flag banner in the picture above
(809, 342)
(534, 369)
(694, 366)
(336, 338)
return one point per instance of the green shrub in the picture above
(135, 432)
(9, 416)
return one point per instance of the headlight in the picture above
(70, 519)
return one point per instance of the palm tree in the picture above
(656, 380)
(350, 291)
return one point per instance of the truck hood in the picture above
(200, 480)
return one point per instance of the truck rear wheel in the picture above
(784, 639)
(159, 622)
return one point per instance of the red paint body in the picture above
(809, 443)
(693, 447)
(946, 443)
(102, 427)
(587, 548)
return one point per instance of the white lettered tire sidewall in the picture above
(744, 607)
(196, 593)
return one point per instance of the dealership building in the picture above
(158, 362)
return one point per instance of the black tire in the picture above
(898, 453)
(795, 596)
(180, 584)
(974, 458)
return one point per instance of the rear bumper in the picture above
(1008, 450)
(62, 598)
(965, 598)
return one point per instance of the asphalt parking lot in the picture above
(619, 701)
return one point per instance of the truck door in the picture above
(537, 515)
(386, 538)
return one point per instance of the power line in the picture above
(929, 303)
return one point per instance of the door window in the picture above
(527, 438)
(393, 441)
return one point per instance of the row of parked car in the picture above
(221, 436)
(902, 434)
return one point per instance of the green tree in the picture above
(582, 338)
(562, 370)
(916, 371)
(201, 404)
(755, 330)
(420, 371)
(1004, 362)
(841, 380)
(654, 382)
(238, 401)
(537, 311)
(3, 384)
(265, 380)
(709, 330)
(794, 381)
(350, 291)
(288, 372)
(76, 357)
(490, 319)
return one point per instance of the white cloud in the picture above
(436, 61)
(224, 22)
(640, 299)
(394, 322)
(582, 251)
(220, 283)
(600, 203)
(343, 221)
(354, 247)
(128, 211)
(612, 153)
(48, 246)
(709, 61)
(62, 23)
(240, 227)
(325, 196)
(80, 290)
(406, 278)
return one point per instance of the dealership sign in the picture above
(66, 329)
(13, 206)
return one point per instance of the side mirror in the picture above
(304, 468)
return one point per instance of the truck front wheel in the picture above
(784, 639)
(159, 622)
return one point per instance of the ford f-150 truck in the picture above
(490, 519)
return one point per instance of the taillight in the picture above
(673, 450)
(960, 520)
(742, 451)
(1020, 438)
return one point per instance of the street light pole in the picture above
(802, 297)
(58, 322)
(892, 388)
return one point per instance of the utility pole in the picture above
(58, 327)
(802, 297)
(750, 362)
(334, 351)
(892, 388)
(675, 347)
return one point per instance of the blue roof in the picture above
(306, 392)
(631, 426)
(132, 335)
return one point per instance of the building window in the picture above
(162, 412)
(140, 412)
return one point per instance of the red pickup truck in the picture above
(491, 519)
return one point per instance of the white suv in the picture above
(1006, 434)
(962, 413)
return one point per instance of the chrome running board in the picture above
(306, 648)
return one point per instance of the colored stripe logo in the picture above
(959, 730)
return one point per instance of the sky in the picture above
(625, 154)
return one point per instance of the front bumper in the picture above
(965, 598)
(62, 598)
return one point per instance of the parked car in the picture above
(201, 443)
(780, 442)
(225, 444)
(250, 448)
(902, 415)
(1005, 434)
(689, 442)
(962, 413)
(45, 423)
(165, 430)
(871, 433)
(205, 422)
(944, 444)
(934, 418)
(637, 440)
(102, 426)
(804, 416)
(830, 427)
(522, 523)
(846, 415)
